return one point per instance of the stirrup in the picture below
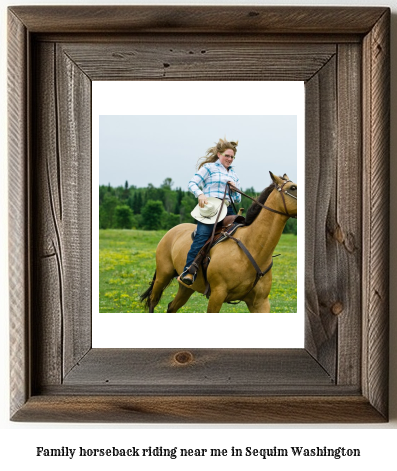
(187, 281)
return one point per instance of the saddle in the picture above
(226, 225)
(223, 230)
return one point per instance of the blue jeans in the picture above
(203, 233)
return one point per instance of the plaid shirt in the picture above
(211, 179)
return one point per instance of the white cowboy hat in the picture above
(208, 214)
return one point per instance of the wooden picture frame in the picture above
(342, 54)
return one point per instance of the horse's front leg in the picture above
(258, 299)
(217, 298)
(259, 305)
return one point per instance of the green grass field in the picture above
(127, 264)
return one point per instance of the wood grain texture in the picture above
(199, 409)
(63, 224)
(172, 60)
(198, 19)
(224, 369)
(376, 91)
(74, 125)
(341, 376)
(346, 227)
(334, 215)
(19, 224)
(47, 295)
(321, 277)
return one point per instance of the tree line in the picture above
(151, 208)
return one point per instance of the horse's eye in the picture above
(293, 188)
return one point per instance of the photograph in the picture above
(151, 219)
(197, 213)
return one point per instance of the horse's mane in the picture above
(254, 209)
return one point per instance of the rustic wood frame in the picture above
(343, 56)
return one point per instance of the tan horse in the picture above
(230, 273)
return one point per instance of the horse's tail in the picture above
(145, 297)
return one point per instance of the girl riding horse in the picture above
(214, 172)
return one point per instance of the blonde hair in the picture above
(212, 152)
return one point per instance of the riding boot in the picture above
(188, 276)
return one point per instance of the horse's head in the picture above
(287, 200)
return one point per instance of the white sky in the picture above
(148, 149)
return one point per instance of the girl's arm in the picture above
(197, 182)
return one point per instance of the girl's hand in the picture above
(232, 187)
(202, 200)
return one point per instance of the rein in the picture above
(280, 190)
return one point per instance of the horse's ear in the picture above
(277, 180)
(285, 177)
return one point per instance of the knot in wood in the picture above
(183, 358)
(337, 308)
(338, 235)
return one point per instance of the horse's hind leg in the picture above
(180, 299)
(160, 284)
(217, 298)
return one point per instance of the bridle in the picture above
(282, 192)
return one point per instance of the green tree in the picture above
(124, 217)
(103, 189)
(136, 204)
(170, 220)
(291, 227)
(107, 211)
(167, 184)
(250, 191)
(153, 193)
(179, 196)
(152, 214)
(119, 191)
(169, 200)
(188, 202)
(126, 191)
